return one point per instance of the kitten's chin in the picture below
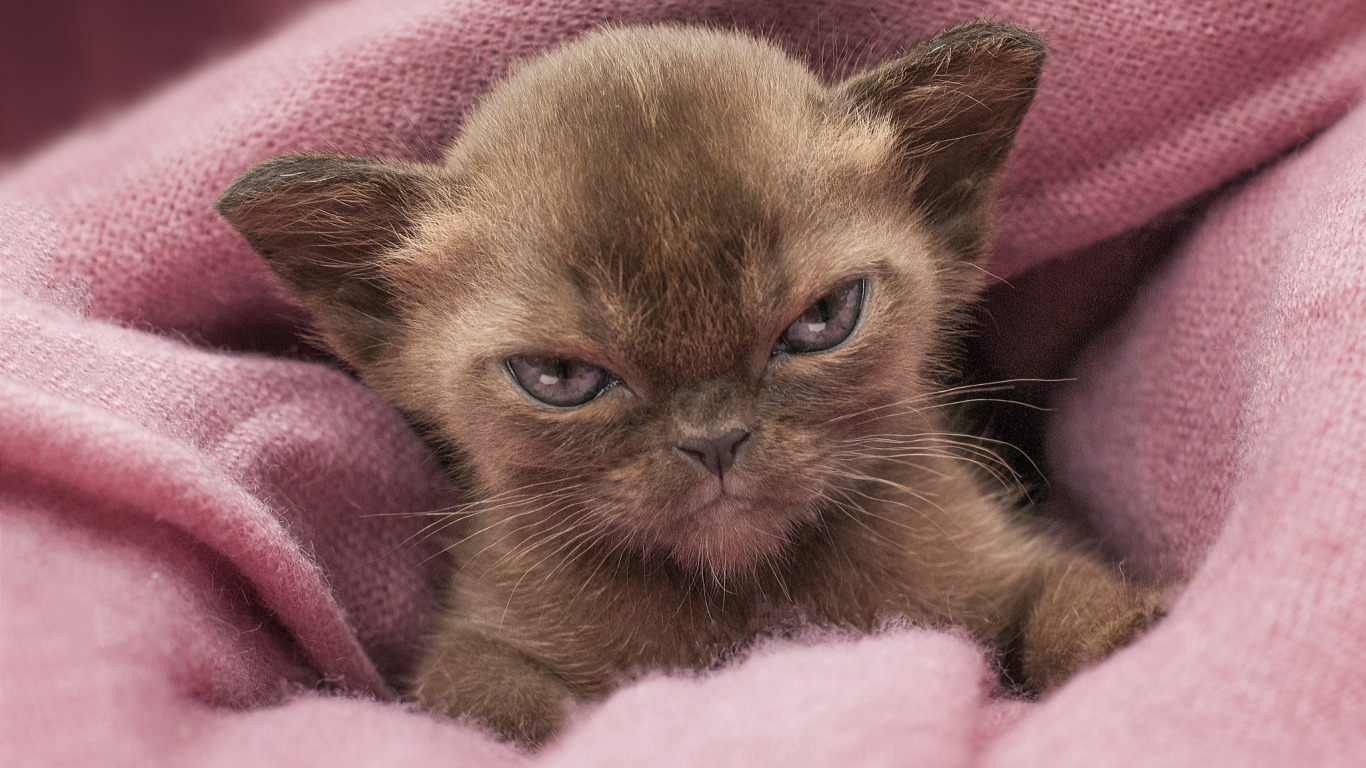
(730, 536)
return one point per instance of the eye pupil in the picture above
(826, 323)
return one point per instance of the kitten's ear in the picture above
(956, 101)
(323, 223)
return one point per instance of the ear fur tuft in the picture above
(323, 223)
(956, 102)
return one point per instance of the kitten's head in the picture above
(666, 278)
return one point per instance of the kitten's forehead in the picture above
(660, 185)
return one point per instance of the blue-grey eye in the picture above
(825, 323)
(558, 381)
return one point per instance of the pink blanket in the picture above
(208, 542)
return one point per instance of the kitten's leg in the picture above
(467, 673)
(1078, 611)
(1013, 585)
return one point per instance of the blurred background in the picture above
(66, 62)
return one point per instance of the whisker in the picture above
(929, 398)
(495, 524)
(536, 539)
(973, 442)
(843, 507)
(1014, 480)
(1013, 483)
(448, 518)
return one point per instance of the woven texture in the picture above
(209, 552)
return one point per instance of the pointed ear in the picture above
(955, 101)
(324, 223)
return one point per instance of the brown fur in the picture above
(662, 203)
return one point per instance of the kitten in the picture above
(681, 312)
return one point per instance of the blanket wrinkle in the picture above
(931, 688)
(43, 432)
(214, 549)
(26, 260)
(1278, 278)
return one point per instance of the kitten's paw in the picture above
(531, 717)
(479, 681)
(1081, 621)
(528, 711)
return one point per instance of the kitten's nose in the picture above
(717, 454)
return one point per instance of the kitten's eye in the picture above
(826, 323)
(560, 382)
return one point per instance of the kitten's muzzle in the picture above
(716, 454)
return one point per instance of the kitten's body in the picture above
(661, 204)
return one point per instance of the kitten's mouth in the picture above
(727, 531)
(719, 502)
(722, 508)
(739, 502)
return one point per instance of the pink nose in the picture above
(715, 454)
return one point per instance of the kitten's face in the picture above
(664, 283)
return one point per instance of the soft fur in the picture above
(662, 203)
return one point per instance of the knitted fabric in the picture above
(212, 549)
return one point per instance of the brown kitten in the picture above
(681, 310)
